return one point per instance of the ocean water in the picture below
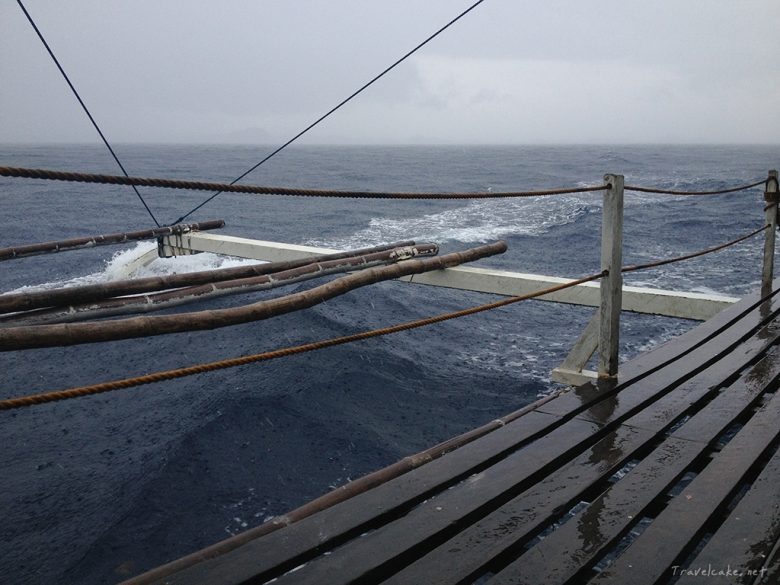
(98, 489)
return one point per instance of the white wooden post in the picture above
(771, 196)
(612, 284)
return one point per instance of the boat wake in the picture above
(138, 262)
(480, 221)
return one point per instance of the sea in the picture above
(98, 489)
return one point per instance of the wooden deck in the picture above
(674, 469)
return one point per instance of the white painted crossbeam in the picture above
(685, 305)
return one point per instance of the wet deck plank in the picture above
(476, 512)
(672, 533)
(771, 575)
(747, 537)
(571, 550)
(565, 552)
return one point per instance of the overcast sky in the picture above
(513, 71)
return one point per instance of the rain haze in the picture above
(510, 72)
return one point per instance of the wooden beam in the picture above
(612, 284)
(683, 305)
(772, 197)
(571, 370)
(192, 243)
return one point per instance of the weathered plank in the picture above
(378, 554)
(747, 537)
(611, 298)
(383, 551)
(670, 537)
(476, 547)
(569, 552)
(771, 573)
(498, 536)
(707, 381)
(573, 546)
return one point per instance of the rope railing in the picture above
(57, 395)
(42, 398)
(660, 191)
(51, 175)
(655, 264)
(28, 173)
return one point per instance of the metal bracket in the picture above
(404, 253)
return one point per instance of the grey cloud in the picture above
(260, 71)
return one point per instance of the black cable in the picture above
(84, 106)
(343, 102)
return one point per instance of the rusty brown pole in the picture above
(26, 301)
(155, 302)
(105, 240)
(15, 338)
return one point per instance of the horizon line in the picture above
(386, 144)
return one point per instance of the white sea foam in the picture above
(480, 221)
(116, 267)
(179, 264)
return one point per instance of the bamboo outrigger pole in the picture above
(25, 301)
(105, 240)
(15, 338)
(155, 302)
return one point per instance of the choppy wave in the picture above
(480, 221)
(126, 461)
(120, 266)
